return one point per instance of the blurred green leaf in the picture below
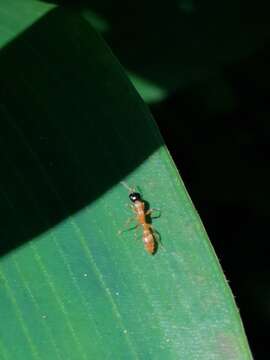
(73, 127)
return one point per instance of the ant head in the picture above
(135, 196)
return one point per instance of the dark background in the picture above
(223, 158)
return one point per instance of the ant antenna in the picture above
(126, 186)
(131, 190)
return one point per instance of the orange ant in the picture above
(139, 206)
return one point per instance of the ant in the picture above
(139, 206)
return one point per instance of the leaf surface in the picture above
(72, 128)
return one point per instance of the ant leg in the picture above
(126, 226)
(131, 207)
(150, 211)
(136, 232)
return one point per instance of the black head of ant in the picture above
(135, 196)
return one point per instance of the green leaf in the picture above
(72, 128)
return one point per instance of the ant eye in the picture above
(134, 196)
